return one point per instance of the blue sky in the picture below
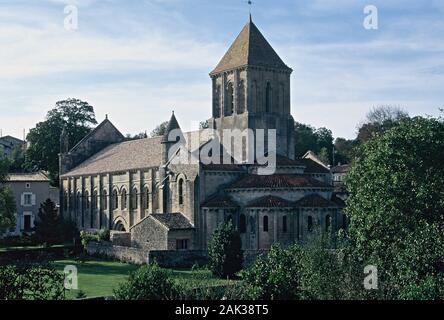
(137, 60)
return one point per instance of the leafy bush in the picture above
(31, 283)
(86, 237)
(148, 283)
(274, 276)
(309, 272)
(104, 235)
(225, 251)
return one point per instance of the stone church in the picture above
(133, 188)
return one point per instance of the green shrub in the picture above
(225, 251)
(148, 283)
(104, 235)
(274, 276)
(31, 283)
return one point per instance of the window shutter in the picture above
(33, 199)
(22, 199)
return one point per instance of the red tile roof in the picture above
(220, 201)
(277, 181)
(315, 201)
(270, 202)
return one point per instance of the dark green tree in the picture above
(7, 201)
(159, 130)
(378, 120)
(225, 251)
(396, 185)
(48, 226)
(75, 116)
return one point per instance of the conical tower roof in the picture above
(172, 125)
(250, 49)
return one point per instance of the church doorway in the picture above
(119, 226)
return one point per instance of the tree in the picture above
(138, 136)
(148, 283)
(317, 140)
(17, 159)
(396, 185)
(7, 201)
(73, 115)
(225, 251)
(380, 119)
(47, 227)
(159, 130)
(344, 150)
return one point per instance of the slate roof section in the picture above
(28, 177)
(124, 156)
(250, 49)
(220, 201)
(270, 202)
(277, 181)
(173, 221)
(341, 169)
(315, 201)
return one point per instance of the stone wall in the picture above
(178, 259)
(126, 254)
(149, 234)
(120, 238)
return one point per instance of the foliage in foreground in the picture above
(149, 282)
(396, 208)
(31, 283)
(225, 251)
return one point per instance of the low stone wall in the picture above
(119, 238)
(126, 254)
(178, 259)
(165, 258)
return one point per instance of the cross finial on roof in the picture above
(250, 4)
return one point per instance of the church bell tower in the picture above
(251, 90)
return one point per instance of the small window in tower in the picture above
(229, 107)
(268, 96)
(310, 224)
(265, 222)
(284, 224)
(242, 223)
(181, 187)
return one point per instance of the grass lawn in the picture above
(99, 277)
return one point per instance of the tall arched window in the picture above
(79, 201)
(252, 225)
(284, 224)
(124, 200)
(344, 222)
(94, 200)
(241, 97)
(115, 200)
(327, 223)
(181, 189)
(134, 199)
(268, 97)
(147, 198)
(265, 224)
(229, 105)
(310, 224)
(217, 98)
(242, 223)
(104, 204)
(87, 203)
